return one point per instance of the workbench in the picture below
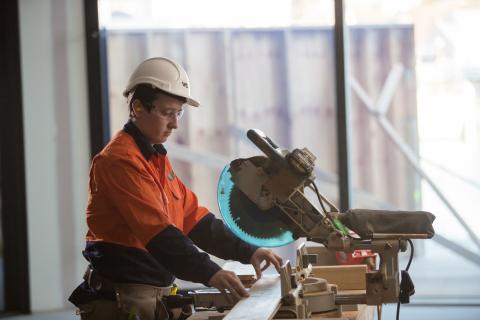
(348, 279)
(363, 313)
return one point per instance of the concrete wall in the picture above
(56, 145)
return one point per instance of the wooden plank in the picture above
(263, 303)
(245, 272)
(325, 257)
(239, 268)
(348, 277)
(364, 313)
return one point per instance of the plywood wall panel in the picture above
(283, 82)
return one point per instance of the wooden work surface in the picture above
(257, 307)
(363, 313)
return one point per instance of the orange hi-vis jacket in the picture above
(132, 199)
(144, 224)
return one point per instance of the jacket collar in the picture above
(145, 147)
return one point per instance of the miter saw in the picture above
(262, 200)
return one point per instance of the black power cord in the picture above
(407, 288)
(319, 198)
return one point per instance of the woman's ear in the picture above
(137, 107)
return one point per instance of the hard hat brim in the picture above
(190, 101)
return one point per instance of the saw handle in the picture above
(265, 144)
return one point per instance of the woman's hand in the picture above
(227, 280)
(269, 257)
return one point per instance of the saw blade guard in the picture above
(246, 221)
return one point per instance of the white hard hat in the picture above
(164, 74)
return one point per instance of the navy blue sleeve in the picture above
(212, 236)
(178, 254)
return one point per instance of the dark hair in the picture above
(147, 94)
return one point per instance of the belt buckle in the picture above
(92, 285)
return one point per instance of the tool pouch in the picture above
(127, 301)
(142, 301)
(102, 310)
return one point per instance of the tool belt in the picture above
(109, 288)
(99, 283)
(144, 301)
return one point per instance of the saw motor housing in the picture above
(279, 180)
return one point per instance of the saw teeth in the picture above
(242, 216)
(248, 217)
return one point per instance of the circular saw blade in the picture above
(264, 228)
